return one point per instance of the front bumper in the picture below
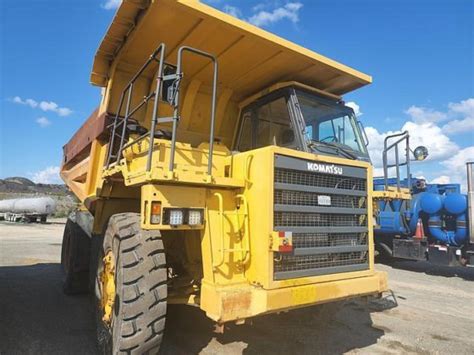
(235, 302)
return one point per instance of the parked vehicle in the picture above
(222, 169)
(27, 209)
(422, 221)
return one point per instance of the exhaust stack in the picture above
(470, 199)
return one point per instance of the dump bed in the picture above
(249, 58)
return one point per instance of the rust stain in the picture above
(236, 302)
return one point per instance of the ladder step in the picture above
(171, 77)
(165, 119)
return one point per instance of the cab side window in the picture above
(245, 142)
(270, 124)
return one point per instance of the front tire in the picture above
(137, 320)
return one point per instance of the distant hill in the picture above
(21, 185)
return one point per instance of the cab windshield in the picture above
(330, 123)
(303, 121)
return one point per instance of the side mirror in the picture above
(420, 153)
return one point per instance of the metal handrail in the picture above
(159, 88)
(404, 137)
(176, 105)
(160, 78)
(221, 220)
(129, 112)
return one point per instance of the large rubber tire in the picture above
(138, 318)
(75, 252)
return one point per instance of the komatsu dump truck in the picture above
(221, 170)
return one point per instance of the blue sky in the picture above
(419, 52)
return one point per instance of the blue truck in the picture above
(420, 220)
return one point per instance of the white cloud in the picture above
(43, 121)
(432, 137)
(446, 162)
(50, 175)
(425, 130)
(232, 10)
(465, 109)
(27, 102)
(439, 145)
(260, 6)
(459, 117)
(48, 106)
(442, 179)
(355, 107)
(43, 105)
(111, 4)
(263, 16)
(458, 160)
(456, 166)
(422, 114)
(457, 126)
(288, 11)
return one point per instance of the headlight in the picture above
(195, 217)
(176, 217)
(183, 216)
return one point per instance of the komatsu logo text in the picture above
(323, 168)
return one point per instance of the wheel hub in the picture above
(107, 278)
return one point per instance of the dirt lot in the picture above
(431, 312)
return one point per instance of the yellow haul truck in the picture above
(221, 170)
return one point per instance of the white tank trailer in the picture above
(27, 209)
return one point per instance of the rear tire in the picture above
(138, 316)
(75, 253)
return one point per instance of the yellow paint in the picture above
(243, 301)
(233, 250)
(107, 279)
(393, 194)
(294, 84)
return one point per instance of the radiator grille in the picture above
(296, 177)
(297, 219)
(302, 198)
(318, 240)
(306, 262)
(327, 215)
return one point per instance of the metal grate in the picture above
(297, 177)
(327, 215)
(303, 198)
(318, 240)
(296, 263)
(297, 219)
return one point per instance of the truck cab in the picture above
(299, 117)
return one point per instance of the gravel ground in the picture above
(431, 311)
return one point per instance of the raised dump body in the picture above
(222, 169)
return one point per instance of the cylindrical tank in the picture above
(431, 203)
(38, 205)
(455, 203)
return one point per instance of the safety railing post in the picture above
(176, 105)
(125, 120)
(129, 112)
(159, 87)
(404, 137)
